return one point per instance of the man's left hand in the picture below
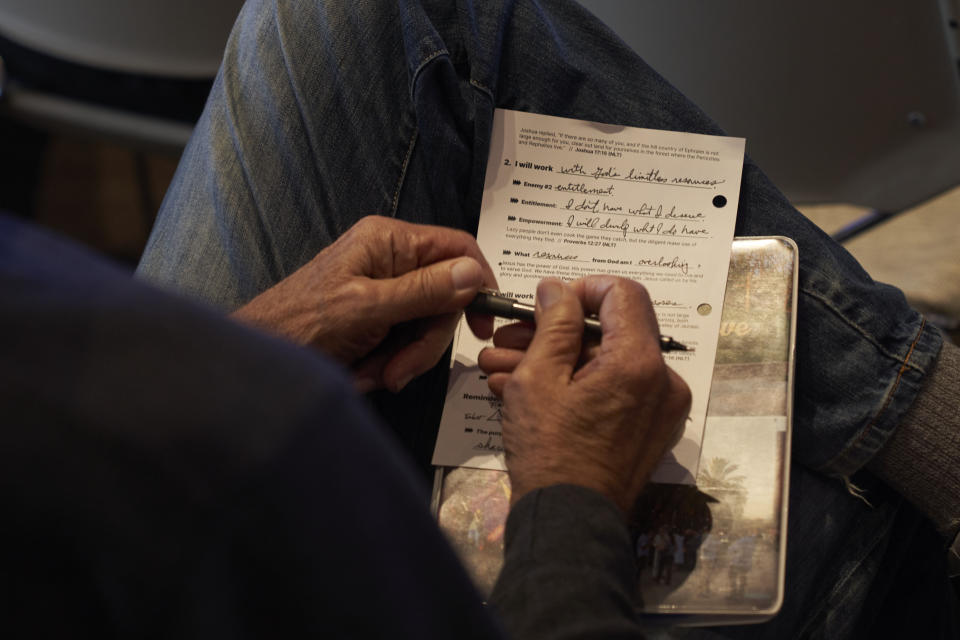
(384, 299)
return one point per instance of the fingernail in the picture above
(548, 292)
(466, 274)
(401, 384)
(365, 385)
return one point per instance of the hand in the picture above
(603, 424)
(384, 299)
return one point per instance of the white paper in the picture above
(570, 198)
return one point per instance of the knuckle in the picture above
(561, 328)
(375, 221)
(650, 373)
(359, 294)
(523, 378)
(633, 291)
(559, 338)
(637, 298)
(678, 386)
(683, 397)
(639, 290)
(464, 238)
(425, 284)
(365, 226)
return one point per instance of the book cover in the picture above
(713, 552)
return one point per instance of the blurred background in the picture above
(852, 108)
(98, 99)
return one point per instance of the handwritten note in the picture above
(569, 198)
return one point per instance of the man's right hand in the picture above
(603, 423)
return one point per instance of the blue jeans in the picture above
(326, 112)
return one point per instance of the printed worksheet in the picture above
(570, 198)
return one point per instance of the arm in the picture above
(584, 426)
(165, 473)
(568, 569)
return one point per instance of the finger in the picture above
(591, 349)
(365, 383)
(429, 244)
(624, 309)
(496, 383)
(480, 324)
(433, 243)
(404, 246)
(444, 287)
(555, 347)
(680, 400)
(420, 354)
(514, 336)
(591, 290)
(368, 371)
(496, 360)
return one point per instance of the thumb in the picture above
(442, 287)
(559, 334)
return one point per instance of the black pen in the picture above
(492, 303)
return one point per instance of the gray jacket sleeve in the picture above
(569, 570)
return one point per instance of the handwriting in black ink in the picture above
(488, 445)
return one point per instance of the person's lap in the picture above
(326, 112)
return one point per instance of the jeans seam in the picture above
(482, 87)
(903, 361)
(230, 119)
(843, 455)
(893, 389)
(413, 140)
(416, 73)
(294, 91)
(403, 173)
